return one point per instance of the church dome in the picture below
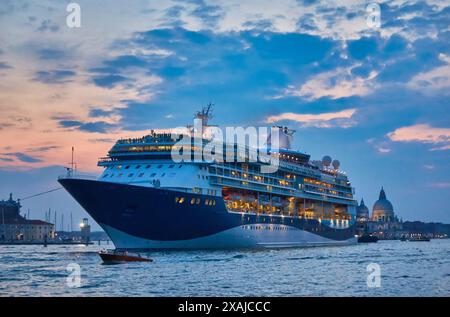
(382, 209)
(362, 212)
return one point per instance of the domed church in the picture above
(382, 209)
(362, 212)
(383, 222)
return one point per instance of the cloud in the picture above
(48, 26)
(439, 185)
(97, 112)
(383, 150)
(4, 65)
(54, 76)
(334, 84)
(341, 119)
(95, 126)
(109, 81)
(436, 79)
(209, 14)
(23, 157)
(51, 54)
(423, 133)
(45, 148)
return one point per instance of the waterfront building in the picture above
(16, 228)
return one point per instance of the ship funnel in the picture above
(285, 137)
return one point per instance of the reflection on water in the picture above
(407, 269)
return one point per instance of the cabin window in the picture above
(141, 174)
(138, 167)
(106, 175)
(153, 175)
(159, 166)
(148, 166)
(171, 166)
(127, 167)
(130, 175)
(179, 166)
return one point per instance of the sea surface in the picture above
(406, 269)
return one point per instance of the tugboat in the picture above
(367, 238)
(121, 256)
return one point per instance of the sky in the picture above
(376, 98)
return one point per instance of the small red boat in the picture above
(120, 256)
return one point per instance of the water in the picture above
(407, 269)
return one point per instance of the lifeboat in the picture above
(121, 256)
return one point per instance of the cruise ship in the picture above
(146, 200)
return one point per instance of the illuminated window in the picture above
(192, 201)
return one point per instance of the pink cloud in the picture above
(423, 133)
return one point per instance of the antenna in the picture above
(73, 165)
(205, 114)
